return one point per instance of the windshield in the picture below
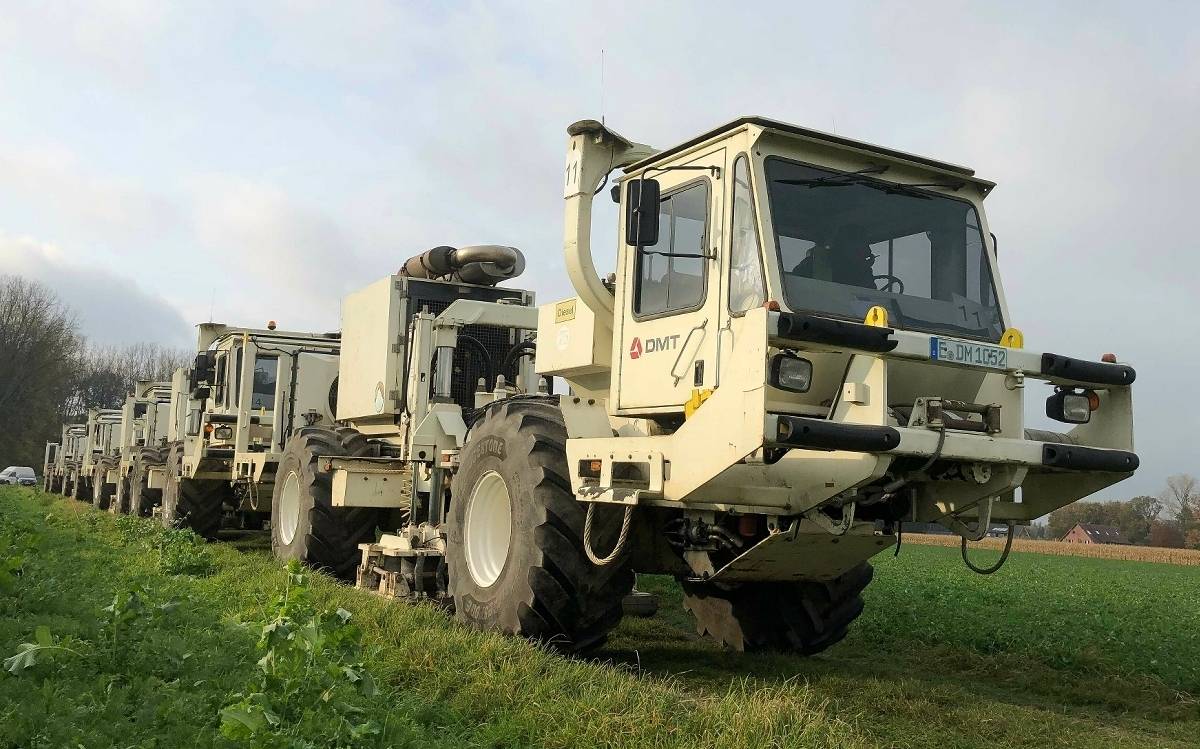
(847, 242)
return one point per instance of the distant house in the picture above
(1087, 533)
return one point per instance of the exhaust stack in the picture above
(592, 152)
(482, 264)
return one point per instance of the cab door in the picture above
(666, 345)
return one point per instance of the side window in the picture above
(236, 382)
(747, 289)
(265, 371)
(670, 274)
(219, 380)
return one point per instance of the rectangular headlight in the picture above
(1069, 407)
(791, 373)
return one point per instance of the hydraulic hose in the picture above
(999, 562)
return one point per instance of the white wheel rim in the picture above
(488, 528)
(289, 508)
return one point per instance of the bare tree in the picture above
(106, 374)
(1182, 500)
(39, 353)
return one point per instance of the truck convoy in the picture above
(803, 346)
(62, 460)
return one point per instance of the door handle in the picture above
(683, 348)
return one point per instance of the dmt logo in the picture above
(637, 348)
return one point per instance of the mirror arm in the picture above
(714, 170)
(694, 255)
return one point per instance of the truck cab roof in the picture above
(805, 133)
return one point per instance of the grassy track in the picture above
(1052, 651)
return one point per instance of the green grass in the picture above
(1051, 651)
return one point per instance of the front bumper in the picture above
(783, 430)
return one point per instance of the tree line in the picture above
(51, 375)
(1170, 520)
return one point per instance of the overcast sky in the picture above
(164, 162)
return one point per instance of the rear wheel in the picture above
(197, 504)
(304, 523)
(798, 617)
(143, 499)
(515, 555)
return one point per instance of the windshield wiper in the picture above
(854, 178)
(906, 189)
(843, 178)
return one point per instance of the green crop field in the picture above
(120, 634)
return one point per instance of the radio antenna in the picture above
(601, 85)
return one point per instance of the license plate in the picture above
(966, 352)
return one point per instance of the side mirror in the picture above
(201, 370)
(641, 212)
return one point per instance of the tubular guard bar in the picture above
(1077, 458)
(798, 431)
(796, 326)
(1101, 373)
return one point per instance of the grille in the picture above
(469, 362)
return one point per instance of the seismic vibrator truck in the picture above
(803, 345)
(145, 422)
(248, 391)
(101, 457)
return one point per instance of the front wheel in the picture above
(799, 617)
(196, 504)
(514, 556)
(81, 489)
(102, 493)
(305, 525)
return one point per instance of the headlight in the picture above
(223, 433)
(790, 372)
(1071, 407)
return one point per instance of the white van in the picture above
(22, 475)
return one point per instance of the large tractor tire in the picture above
(797, 617)
(120, 498)
(143, 499)
(304, 523)
(81, 488)
(102, 492)
(515, 556)
(196, 504)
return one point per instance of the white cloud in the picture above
(111, 308)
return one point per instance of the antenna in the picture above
(212, 299)
(601, 85)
